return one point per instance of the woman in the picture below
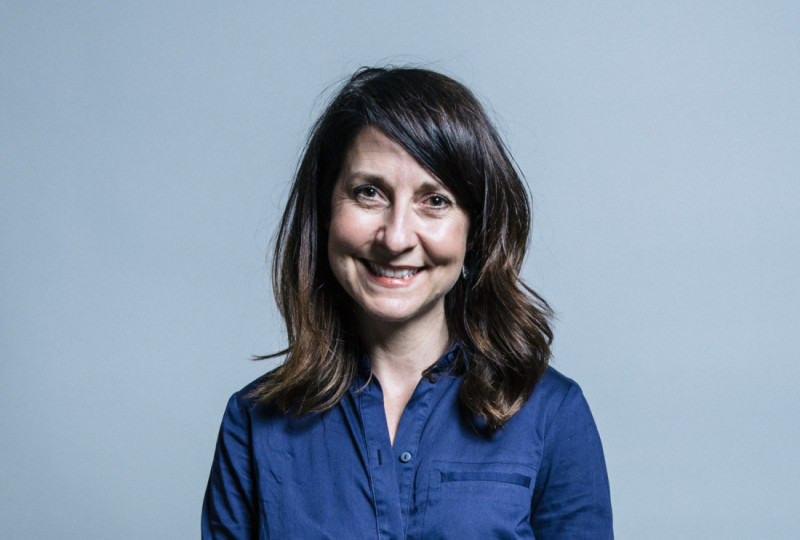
(415, 400)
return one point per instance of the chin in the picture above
(387, 316)
(393, 313)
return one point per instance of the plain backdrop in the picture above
(146, 149)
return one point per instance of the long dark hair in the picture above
(501, 323)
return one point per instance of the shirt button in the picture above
(405, 457)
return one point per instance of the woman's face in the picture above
(397, 237)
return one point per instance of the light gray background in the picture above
(145, 154)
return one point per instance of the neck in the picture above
(404, 351)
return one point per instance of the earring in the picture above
(464, 272)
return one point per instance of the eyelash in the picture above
(445, 201)
(370, 192)
(360, 191)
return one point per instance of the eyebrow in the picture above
(361, 175)
(432, 183)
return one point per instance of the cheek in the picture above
(336, 246)
(449, 243)
(346, 234)
(337, 259)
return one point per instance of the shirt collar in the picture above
(448, 358)
(442, 365)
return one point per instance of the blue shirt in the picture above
(336, 475)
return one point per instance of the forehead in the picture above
(374, 154)
(370, 137)
(371, 144)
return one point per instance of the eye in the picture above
(438, 201)
(369, 196)
(367, 192)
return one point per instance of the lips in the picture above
(394, 272)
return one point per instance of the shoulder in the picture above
(553, 388)
(556, 398)
(268, 419)
(246, 394)
(243, 404)
(554, 381)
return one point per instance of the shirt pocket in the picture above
(478, 500)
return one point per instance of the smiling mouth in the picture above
(395, 272)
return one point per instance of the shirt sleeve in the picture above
(571, 498)
(229, 510)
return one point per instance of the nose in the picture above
(397, 233)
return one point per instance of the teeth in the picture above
(382, 271)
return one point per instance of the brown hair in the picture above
(500, 322)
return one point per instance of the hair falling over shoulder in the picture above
(502, 325)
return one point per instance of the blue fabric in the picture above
(336, 475)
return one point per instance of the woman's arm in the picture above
(229, 508)
(571, 497)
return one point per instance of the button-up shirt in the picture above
(337, 475)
